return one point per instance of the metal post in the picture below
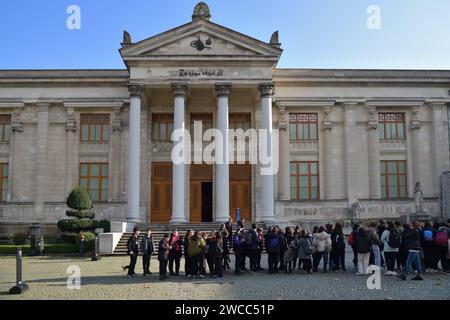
(95, 252)
(20, 286)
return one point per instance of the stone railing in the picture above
(304, 146)
(392, 145)
(94, 148)
(4, 148)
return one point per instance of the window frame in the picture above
(91, 120)
(159, 118)
(203, 117)
(310, 175)
(5, 124)
(295, 119)
(100, 178)
(385, 176)
(2, 178)
(239, 117)
(383, 123)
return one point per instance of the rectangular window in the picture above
(206, 120)
(393, 179)
(4, 182)
(94, 179)
(304, 180)
(162, 127)
(5, 128)
(94, 128)
(391, 126)
(303, 126)
(240, 121)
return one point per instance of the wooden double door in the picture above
(201, 192)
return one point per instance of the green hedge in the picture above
(48, 249)
(103, 224)
(80, 214)
(76, 225)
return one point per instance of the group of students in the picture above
(383, 244)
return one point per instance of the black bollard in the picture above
(95, 251)
(20, 286)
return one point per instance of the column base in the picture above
(222, 220)
(178, 220)
(269, 221)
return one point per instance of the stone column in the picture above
(351, 159)
(41, 166)
(418, 167)
(329, 157)
(178, 185)
(134, 151)
(16, 127)
(267, 203)
(222, 179)
(71, 149)
(373, 146)
(439, 144)
(115, 150)
(284, 186)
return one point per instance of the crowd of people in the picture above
(386, 244)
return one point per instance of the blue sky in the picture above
(414, 34)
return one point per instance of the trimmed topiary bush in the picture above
(103, 224)
(76, 225)
(80, 204)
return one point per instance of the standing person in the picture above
(322, 244)
(226, 247)
(331, 261)
(352, 242)
(441, 241)
(380, 229)
(133, 247)
(175, 252)
(229, 227)
(403, 250)
(215, 255)
(429, 248)
(187, 259)
(392, 242)
(338, 247)
(290, 251)
(195, 252)
(163, 256)
(297, 234)
(282, 265)
(305, 251)
(413, 240)
(399, 229)
(376, 244)
(82, 243)
(238, 248)
(260, 249)
(147, 249)
(273, 244)
(252, 245)
(203, 257)
(363, 246)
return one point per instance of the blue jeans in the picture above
(376, 254)
(413, 257)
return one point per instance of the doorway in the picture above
(207, 201)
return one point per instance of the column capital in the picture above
(136, 90)
(223, 89)
(266, 89)
(179, 88)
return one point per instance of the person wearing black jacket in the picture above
(252, 245)
(133, 247)
(413, 241)
(163, 257)
(354, 235)
(187, 259)
(338, 247)
(238, 248)
(273, 244)
(175, 253)
(147, 249)
(229, 227)
(215, 255)
(363, 246)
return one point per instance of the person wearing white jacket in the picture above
(322, 246)
(390, 253)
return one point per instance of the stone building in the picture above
(345, 136)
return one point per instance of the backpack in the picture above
(249, 238)
(237, 240)
(273, 243)
(350, 239)
(428, 235)
(394, 240)
(441, 237)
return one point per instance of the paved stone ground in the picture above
(104, 279)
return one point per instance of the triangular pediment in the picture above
(200, 39)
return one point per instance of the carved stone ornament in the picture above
(415, 121)
(126, 39)
(372, 124)
(179, 89)
(136, 90)
(266, 89)
(201, 11)
(223, 89)
(16, 123)
(275, 39)
(117, 122)
(71, 124)
(326, 123)
(283, 121)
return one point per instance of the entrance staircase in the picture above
(158, 231)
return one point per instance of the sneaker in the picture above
(402, 277)
(388, 273)
(417, 278)
(215, 276)
(201, 276)
(393, 273)
(189, 276)
(359, 274)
